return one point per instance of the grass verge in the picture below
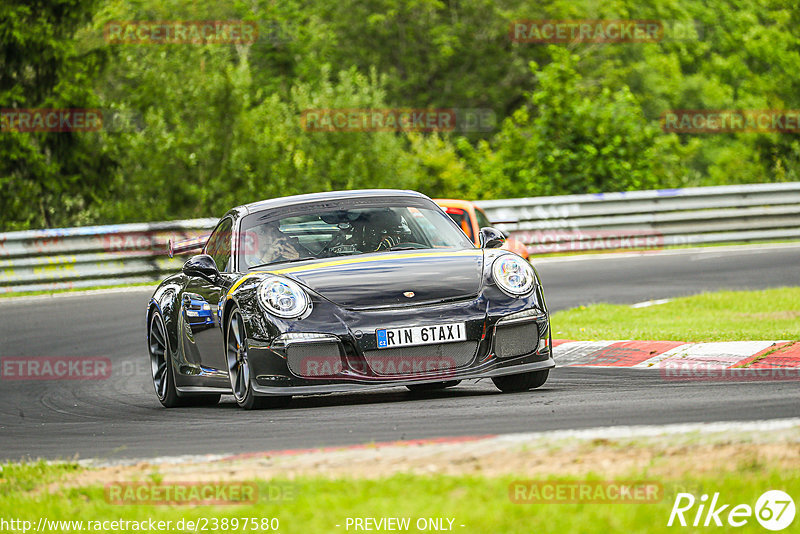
(316, 505)
(771, 314)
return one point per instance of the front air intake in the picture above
(516, 339)
(314, 359)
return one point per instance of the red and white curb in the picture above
(669, 354)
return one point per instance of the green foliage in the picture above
(47, 179)
(199, 128)
(572, 137)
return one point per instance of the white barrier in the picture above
(128, 253)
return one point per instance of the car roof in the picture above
(454, 203)
(327, 195)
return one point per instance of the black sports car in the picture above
(344, 291)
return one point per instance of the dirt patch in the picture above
(661, 457)
(772, 316)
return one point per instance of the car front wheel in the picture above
(239, 368)
(162, 371)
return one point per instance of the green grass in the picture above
(723, 316)
(479, 503)
(20, 478)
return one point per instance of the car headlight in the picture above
(283, 297)
(513, 275)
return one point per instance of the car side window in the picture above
(483, 220)
(219, 245)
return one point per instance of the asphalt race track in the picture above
(121, 418)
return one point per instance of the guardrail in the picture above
(652, 219)
(129, 253)
(62, 258)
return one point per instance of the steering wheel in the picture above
(344, 249)
(336, 240)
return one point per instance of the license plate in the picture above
(421, 335)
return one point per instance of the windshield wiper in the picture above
(405, 248)
(284, 261)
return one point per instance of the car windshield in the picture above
(461, 218)
(345, 228)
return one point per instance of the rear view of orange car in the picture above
(471, 219)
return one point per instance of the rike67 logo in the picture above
(774, 510)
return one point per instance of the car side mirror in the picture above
(203, 266)
(491, 237)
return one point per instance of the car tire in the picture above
(432, 386)
(236, 356)
(161, 363)
(162, 371)
(521, 382)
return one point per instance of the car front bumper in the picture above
(335, 361)
(489, 370)
(335, 346)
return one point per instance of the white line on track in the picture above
(648, 303)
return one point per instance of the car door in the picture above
(202, 303)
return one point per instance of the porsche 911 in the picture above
(344, 291)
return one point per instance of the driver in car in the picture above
(267, 244)
(382, 230)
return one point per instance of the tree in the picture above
(570, 137)
(47, 178)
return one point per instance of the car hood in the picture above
(394, 278)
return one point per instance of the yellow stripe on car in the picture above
(349, 261)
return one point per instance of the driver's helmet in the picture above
(383, 229)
